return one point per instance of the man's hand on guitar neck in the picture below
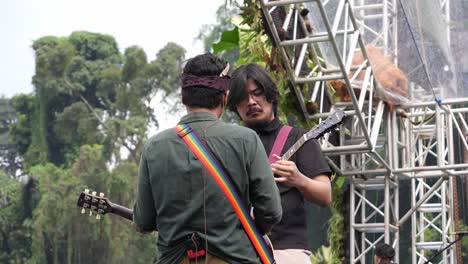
(316, 190)
(288, 172)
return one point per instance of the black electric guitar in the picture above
(316, 132)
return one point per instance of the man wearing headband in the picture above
(178, 197)
(254, 97)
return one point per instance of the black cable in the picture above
(442, 250)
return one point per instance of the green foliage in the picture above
(464, 242)
(255, 47)
(8, 151)
(76, 238)
(14, 237)
(21, 132)
(7, 115)
(337, 229)
(134, 63)
(166, 67)
(83, 126)
(110, 78)
(75, 125)
(85, 77)
(80, 74)
(94, 46)
(229, 40)
(322, 256)
(210, 34)
(52, 56)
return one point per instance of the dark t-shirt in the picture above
(291, 232)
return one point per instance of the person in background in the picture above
(384, 254)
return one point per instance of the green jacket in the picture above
(170, 195)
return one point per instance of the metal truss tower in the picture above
(376, 148)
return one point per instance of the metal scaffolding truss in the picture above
(364, 153)
(424, 144)
(376, 148)
(342, 39)
(426, 151)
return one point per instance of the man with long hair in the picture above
(254, 97)
(176, 194)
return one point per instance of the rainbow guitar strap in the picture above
(217, 172)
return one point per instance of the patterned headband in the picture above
(215, 82)
(220, 82)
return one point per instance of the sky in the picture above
(149, 24)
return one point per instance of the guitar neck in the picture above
(294, 148)
(319, 130)
(122, 211)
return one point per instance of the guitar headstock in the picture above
(328, 124)
(93, 202)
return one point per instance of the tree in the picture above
(77, 238)
(86, 75)
(210, 34)
(84, 127)
(9, 162)
(14, 236)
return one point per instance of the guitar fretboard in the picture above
(316, 132)
(292, 150)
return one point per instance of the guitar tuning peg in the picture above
(83, 211)
(86, 191)
(101, 194)
(98, 216)
(90, 213)
(94, 193)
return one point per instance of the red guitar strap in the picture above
(279, 143)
